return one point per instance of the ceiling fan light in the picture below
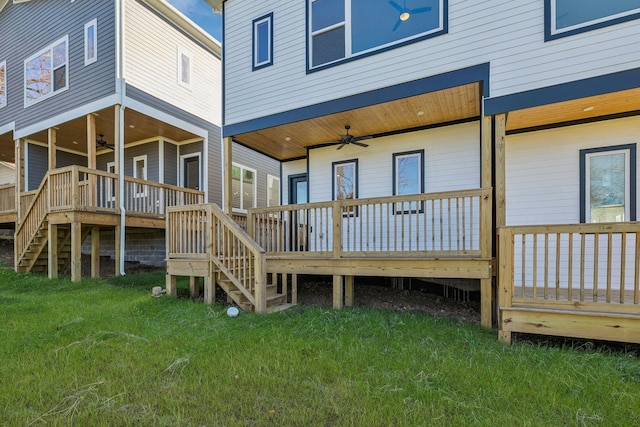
(405, 16)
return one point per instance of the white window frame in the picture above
(627, 182)
(256, 23)
(3, 66)
(242, 208)
(136, 159)
(111, 194)
(28, 102)
(184, 52)
(181, 171)
(272, 179)
(90, 59)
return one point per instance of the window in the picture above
(3, 84)
(345, 182)
(184, 67)
(111, 183)
(140, 172)
(408, 177)
(339, 30)
(273, 191)
(608, 184)
(263, 41)
(243, 188)
(46, 73)
(91, 42)
(567, 17)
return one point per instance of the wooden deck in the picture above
(579, 280)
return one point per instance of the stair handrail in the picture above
(34, 224)
(232, 251)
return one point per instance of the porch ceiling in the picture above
(569, 111)
(72, 135)
(290, 141)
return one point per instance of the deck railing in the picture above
(7, 198)
(451, 224)
(571, 266)
(205, 232)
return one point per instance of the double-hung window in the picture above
(567, 17)
(345, 183)
(3, 84)
(90, 42)
(608, 184)
(140, 172)
(47, 72)
(243, 188)
(263, 41)
(339, 30)
(408, 177)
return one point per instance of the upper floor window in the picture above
(263, 41)
(608, 184)
(3, 84)
(243, 187)
(47, 72)
(91, 42)
(184, 67)
(566, 17)
(343, 29)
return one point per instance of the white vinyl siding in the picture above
(510, 38)
(295, 167)
(150, 64)
(184, 67)
(542, 169)
(273, 190)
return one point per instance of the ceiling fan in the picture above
(350, 139)
(405, 13)
(101, 143)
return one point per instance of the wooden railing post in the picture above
(505, 278)
(260, 284)
(250, 223)
(336, 216)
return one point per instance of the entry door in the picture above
(191, 171)
(298, 231)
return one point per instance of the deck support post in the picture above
(194, 286)
(170, 284)
(500, 126)
(338, 292)
(227, 148)
(95, 251)
(209, 289)
(53, 250)
(486, 220)
(76, 251)
(294, 289)
(116, 247)
(348, 290)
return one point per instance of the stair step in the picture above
(280, 307)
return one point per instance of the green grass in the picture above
(109, 354)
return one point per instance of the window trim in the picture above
(551, 33)
(443, 28)
(351, 212)
(111, 191)
(142, 157)
(631, 148)
(182, 51)
(269, 179)
(421, 170)
(242, 208)
(3, 65)
(268, 18)
(87, 60)
(27, 101)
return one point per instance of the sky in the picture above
(202, 14)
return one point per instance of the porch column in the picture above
(228, 166)
(53, 251)
(91, 157)
(19, 159)
(52, 144)
(76, 251)
(486, 221)
(500, 124)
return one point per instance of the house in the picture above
(109, 115)
(488, 141)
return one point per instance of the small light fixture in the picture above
(420, 113)
(589, 108)
(132, 126)
(75, 142)
(287, 138)
(405, 16)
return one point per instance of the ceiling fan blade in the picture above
(395, 27)
(360, 138)
(396, 6)
(361, 144)
(341, 145)
(420, 10)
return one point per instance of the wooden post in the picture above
(338, 292)
(336, 215)
(194, 286)
(116, 246)
(261, 285)
(91, 158)
(500, 125)
(505, 279)
(170, 285)
(486, 218)
(76, 251)
(228, 167)
(348, 291)
(294, 289)
(53, 251)
(52, 145)
(209, 289)
(95, 251)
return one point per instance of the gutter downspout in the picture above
(121, 88)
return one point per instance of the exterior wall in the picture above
(262, 164)
(152, 43)
(170, 163)
(152, 152)
(452, 161)
(146, 246)
(508, 34)
(7, 175)
(18, 41)
(542, 169)
(295, 167)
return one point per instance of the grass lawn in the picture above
(97, 353)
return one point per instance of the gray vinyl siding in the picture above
(213, 134)
(170, 164)
(153, 158)
(103, 159)
(26, 28)
(37, 164)
(64, 158)
(262, 164)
